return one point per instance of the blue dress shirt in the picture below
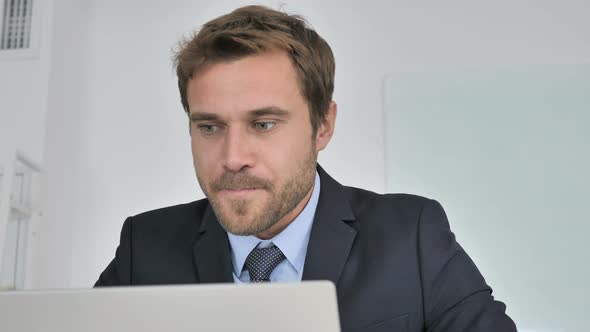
(292, 241)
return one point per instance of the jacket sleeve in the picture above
(456, 296)
(118, 272)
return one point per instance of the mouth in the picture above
(238, 191)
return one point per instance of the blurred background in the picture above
(481, 105)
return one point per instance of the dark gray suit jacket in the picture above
(394, 260)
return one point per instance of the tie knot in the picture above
(262, 261)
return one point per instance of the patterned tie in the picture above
(262, 261)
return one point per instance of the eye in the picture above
(208, 129)
(264, 125)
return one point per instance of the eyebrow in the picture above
(271, 110)
(203, 116)
(264, 111)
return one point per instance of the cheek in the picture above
(204, 159)
(196, 153)
(285, 153)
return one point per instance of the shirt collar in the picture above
(292, 240)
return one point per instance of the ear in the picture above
(326, 128)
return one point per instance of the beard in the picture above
(251, 216)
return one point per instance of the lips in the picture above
(241, 191)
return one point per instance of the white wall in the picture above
(63, 145)
(23, 105)
(117, 141)
(23, 92)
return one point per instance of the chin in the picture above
(241, 231)
(236, 225)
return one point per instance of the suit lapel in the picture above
(331, 238)
(211, 251)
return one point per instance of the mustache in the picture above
(233, 181)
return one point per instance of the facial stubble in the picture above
(250, 217)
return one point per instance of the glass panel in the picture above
(16, 195)
(1, 183)
(507, 152)
(21, 187)
(21, 253)
(9, 260)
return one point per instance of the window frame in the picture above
(32, 52)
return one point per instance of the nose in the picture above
(238, 150)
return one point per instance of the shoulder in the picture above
(364, 200)
(372, 208)
(392, 208)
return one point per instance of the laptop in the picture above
(305, 306)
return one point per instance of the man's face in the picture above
(251, 139)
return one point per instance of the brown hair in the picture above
(253, 30)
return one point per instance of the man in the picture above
(257, 87)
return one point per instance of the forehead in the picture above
(262, 80)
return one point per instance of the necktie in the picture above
(262, 261)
